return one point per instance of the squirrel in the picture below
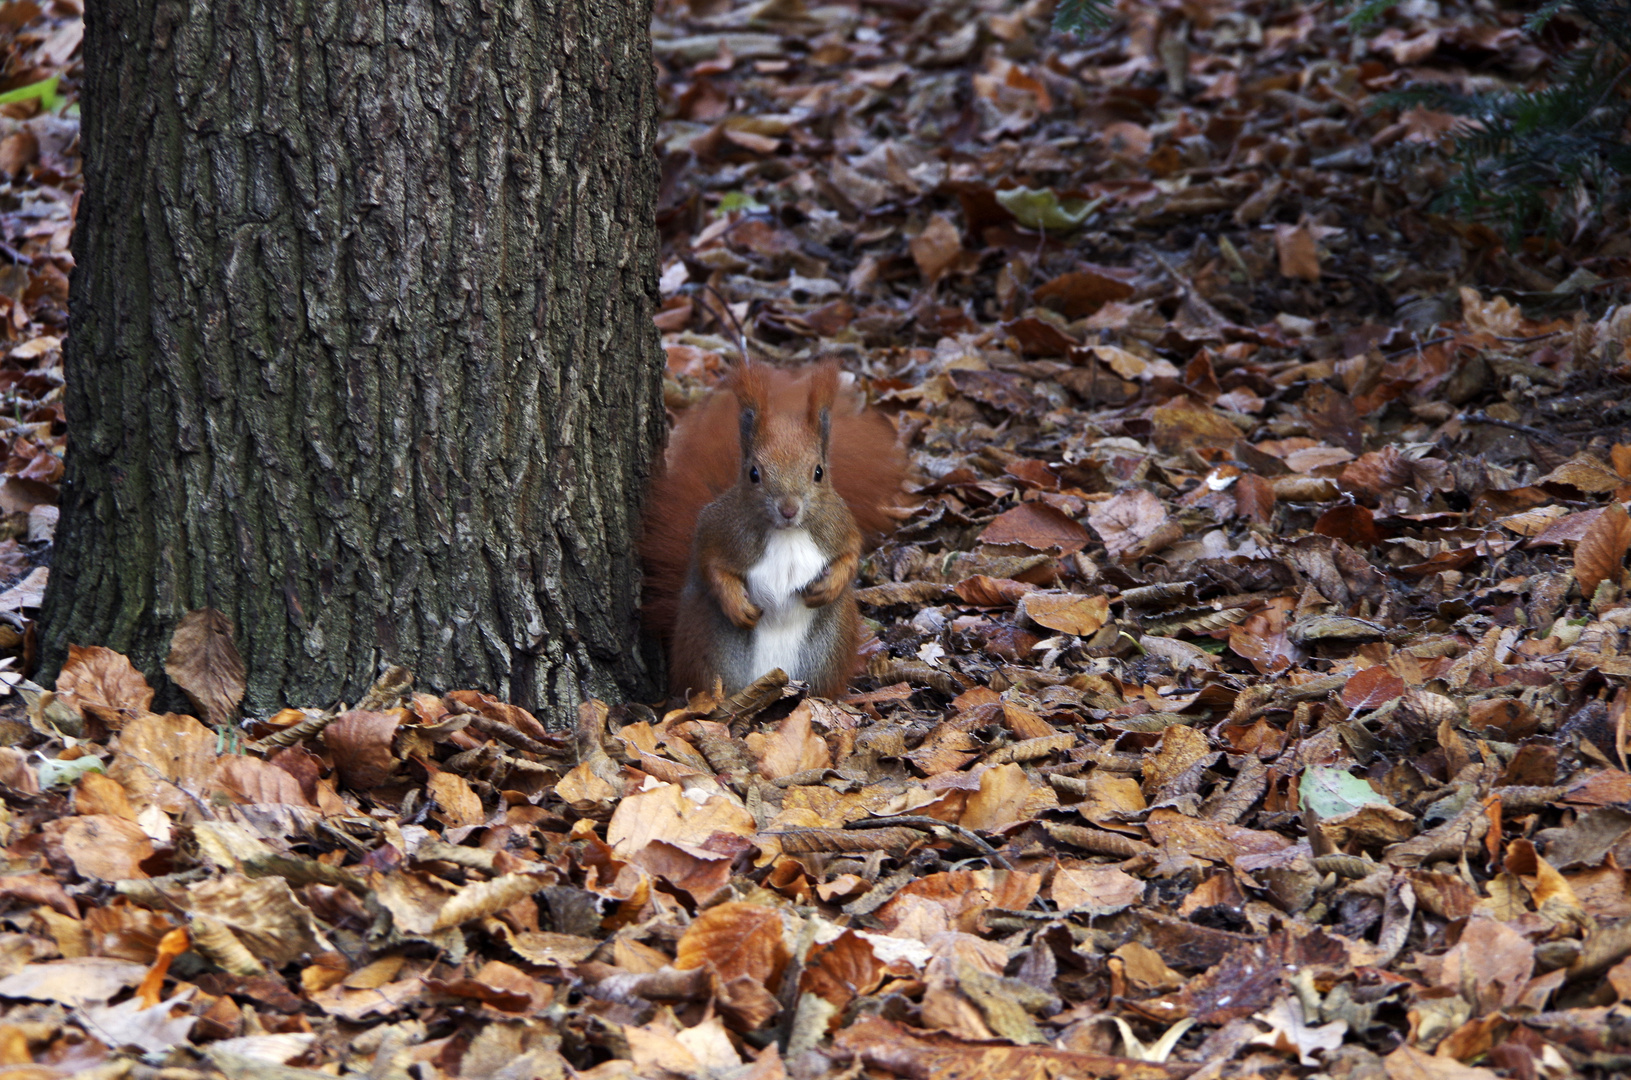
(754, 529)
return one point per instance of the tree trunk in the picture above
(361, 346)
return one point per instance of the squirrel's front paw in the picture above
(824, 589)
(743, 612)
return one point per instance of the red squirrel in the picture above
(755, 525)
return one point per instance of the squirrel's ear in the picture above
(823, 391)
(752, 389)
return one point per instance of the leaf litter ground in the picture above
(1246, 684)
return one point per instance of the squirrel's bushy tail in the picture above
(704, 457)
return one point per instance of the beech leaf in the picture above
(205, 663)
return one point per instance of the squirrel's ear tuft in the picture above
(750, 383)
(823, 391)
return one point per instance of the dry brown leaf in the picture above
(1490, 965)
(1039, 526)
(1096, 890)
(1083, 292)
(103, 847)
(1289, 1032)
(1006, 795)
(936, 248)
(666, 813)
(1498, 316)
(205, 663)
(85, 981)
(165, 761)
(1299, 252)
(1371, 687)
(1069, 613)
(17, 150)
(842, 969)
(484, 898)
(1584, 473)
(252, 780)
(794, 747)
(262, 913)
(1127, 519)
(737, 939)
(1600, 554)
(1181, 749)
(102, 683)
(361, 744)
(1410, 1063)
(460, 805)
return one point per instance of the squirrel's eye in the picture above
(819, 474)
(753, 474)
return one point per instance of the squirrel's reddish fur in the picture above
(704, 463)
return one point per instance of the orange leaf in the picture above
(1068, 613)
(1254, 498)
(1602, 549)
(738, 939)
(1372, 687)
(1299, 255)
(936, 248)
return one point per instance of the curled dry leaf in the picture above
(361, 744)
(1069, 613)
(103, 684)
(1288, 1031)
(205, 663)
(668, 814)
(484, 898)
(262, 913)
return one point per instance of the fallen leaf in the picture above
(1289, 1033)
(204, 662)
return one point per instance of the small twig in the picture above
(741, 334)
(920, 822)
(1613, 85)
(306, 729)
(1544, 436)
(1418, 346)
(507, 734)
(1532, 337)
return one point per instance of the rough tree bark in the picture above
(361, 348)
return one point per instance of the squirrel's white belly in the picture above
(790, 561)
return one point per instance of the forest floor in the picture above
(1246, 688)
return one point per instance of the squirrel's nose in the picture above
(789, 509)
